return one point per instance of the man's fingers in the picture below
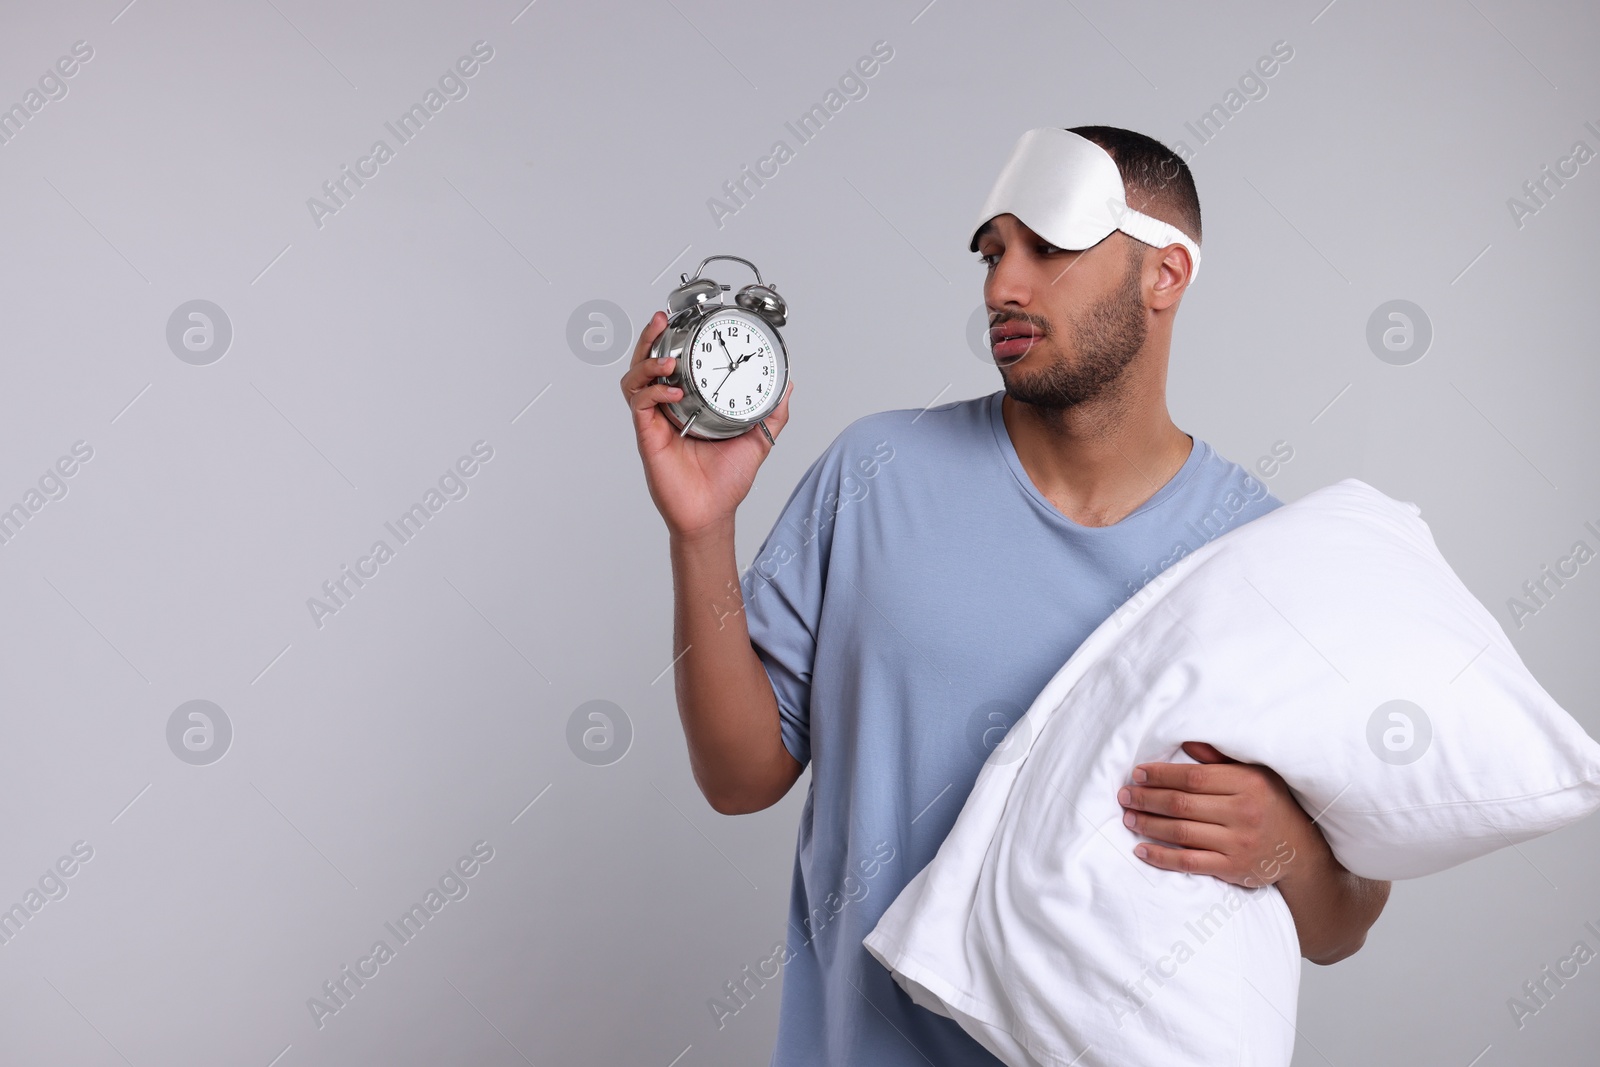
(780, 414)
(774, 423)
(1191, 777)
(1182, 832)
(651, 395)
(1187, 860)
(1201, 807)
(642, 373)
(648, 335)
(646, 414)
(641, 368)
(1206, 753)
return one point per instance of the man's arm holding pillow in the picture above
(1239, 822)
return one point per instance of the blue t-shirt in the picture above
(913, 599)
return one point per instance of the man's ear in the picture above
(1172, 279)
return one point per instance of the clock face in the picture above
(735, 362)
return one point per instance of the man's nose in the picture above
(1008, 282)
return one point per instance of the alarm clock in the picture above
(730, 359)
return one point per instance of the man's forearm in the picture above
(1333, 909)
(725, 700)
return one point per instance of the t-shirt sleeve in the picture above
(783, 592)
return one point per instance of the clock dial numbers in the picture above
(735, 365)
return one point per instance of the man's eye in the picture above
(1044, 248)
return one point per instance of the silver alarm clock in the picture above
(730, 359)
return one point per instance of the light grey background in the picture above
(432, 310)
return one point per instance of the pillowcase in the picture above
(1327, 639)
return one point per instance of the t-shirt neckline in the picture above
(1008, 452)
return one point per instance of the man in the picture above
(932, 571)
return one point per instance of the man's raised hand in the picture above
(696, 484)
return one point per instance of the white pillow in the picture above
(1286, 641)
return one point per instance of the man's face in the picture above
(1063, 325)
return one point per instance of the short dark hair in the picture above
(1156, 179)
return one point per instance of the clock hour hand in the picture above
(733, 364)
(736, 365)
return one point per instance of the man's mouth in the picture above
(1010, 341)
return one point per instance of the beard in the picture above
(1107, 338)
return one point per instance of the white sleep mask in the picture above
(1067, 189)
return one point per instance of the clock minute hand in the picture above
(737, 363)
(733, 365)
